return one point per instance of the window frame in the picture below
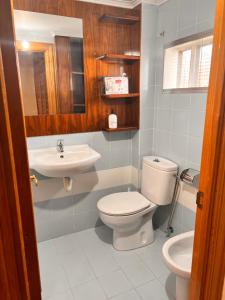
(181, 41)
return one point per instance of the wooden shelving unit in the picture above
(125, 128)
(119, 58)
(112, 63)
(125, 20)
(121, 96)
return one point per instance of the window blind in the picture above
(187, 65)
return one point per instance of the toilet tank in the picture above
(158, 179)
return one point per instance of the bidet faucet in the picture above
(60, 146)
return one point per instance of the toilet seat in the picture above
(123, 204)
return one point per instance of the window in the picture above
(187, 63)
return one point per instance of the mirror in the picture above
(50, 59)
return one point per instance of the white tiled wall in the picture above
(171, 124)
(179, 118)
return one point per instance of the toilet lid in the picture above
(123, 203)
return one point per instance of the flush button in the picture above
(156, 160)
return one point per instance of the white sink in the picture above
(74, 159)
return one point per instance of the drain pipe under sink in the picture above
(67, 183)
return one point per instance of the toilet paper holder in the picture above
(190, 177)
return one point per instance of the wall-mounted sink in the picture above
(74, 159)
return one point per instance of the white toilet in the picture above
(130, 214)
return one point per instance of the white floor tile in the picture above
(87, 263)
(138, 273)
(124, 258)
(62, 296)
(115, 283)
(158, 267)
(96, 251)
(78, 273)
(149, 252)
(73, 257)
(91, 290)
(49, 266)
(93, 246)
(46, 252)
(65, 244)
(104, 264)
(131, 295)
(152, 290)
(153, 258)
(77, 268)
(54, 281)
(87, 237)
(45, 248)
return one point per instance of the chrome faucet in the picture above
(60, 146)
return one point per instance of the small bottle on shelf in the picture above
(112, 120)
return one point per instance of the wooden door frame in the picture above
(19, 270)
(50, 69)
(13, 263)
(208, 267)
(19, 275)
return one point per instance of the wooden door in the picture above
(19, 271)
(44, 73)
(208, 267)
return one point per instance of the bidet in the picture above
(177, 254)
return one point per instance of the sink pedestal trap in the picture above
(67, 183)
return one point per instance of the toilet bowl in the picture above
(177, 254)
(130, 214)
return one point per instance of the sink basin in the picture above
(74, 159)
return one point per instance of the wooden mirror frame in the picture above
(99, 38)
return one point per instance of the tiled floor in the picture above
(84, 266)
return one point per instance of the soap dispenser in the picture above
(112, 120)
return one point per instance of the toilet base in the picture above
(138, 237)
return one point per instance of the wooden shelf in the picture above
(119, 57)
(125, 20)
(121, 96)
(120, 129)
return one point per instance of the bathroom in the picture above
(126, 152)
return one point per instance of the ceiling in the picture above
(126, 3)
